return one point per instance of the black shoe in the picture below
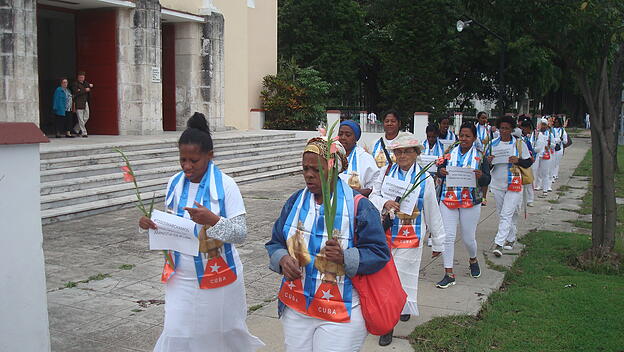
(69, 136)
(475, 271)
(385, 340)
(405, 317)
(446, 281)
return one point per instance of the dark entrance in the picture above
(168, 77)
(70, 41)
(56, 46)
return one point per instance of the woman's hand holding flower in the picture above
(146, 223)
(333, 252)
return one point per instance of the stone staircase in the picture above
(78, 181)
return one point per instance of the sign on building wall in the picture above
(155, 74)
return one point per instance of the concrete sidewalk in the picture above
(122, 309)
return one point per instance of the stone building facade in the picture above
(151, 66)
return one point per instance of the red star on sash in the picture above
(516, 184)
(217, 274)
(167, 269)
(466, 198)
(291, 294)
(450, 199)
(406, 238)
(327, 304)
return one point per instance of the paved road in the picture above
(104, 292)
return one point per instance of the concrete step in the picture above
(61, 199)
(165, 142)
(101, 206)
(108, 156)
(89, 183)
(145, 162)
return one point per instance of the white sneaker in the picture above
(498, 251)
(429, 242)
(544, 194)
(529, 204)
(508, 246)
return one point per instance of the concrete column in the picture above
(24, 305)
(421, 120)
(19, 82)
(256, 119)
(139, 65)
(333, 116)
(212, 70)
(459, 117)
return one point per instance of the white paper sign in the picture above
(426, 159)
(460, 177)
(174, 233)
(502, 153)
(393, 188)
(446, 143)
(155, 74)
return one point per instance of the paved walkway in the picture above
(104, 292)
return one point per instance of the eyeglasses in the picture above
(399, 152)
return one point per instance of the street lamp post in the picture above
(461, 25)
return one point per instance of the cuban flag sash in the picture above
(437, 149)
(379, 155)
(216, 269)
(514, 179)
(450, 136)
(407, 230)
(547, 149)
(482, 132)
(454, 197)
(324, 291)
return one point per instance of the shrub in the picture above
(294, 99)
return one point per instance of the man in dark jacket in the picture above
(81, 90)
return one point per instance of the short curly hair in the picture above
(505, 119)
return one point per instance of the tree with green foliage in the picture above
(295, 98)
(588, 36)
(325, 35)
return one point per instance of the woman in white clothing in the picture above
(407, 231)
(562, 136)
(362, 170)
(537, 141)
(544, 174)
(462, 207)
(205, 307)
(506, 182)
(380, 152)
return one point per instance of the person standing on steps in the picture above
(62, 106)
(506, 182)
(392, 124)
(82, 93)
(407, 232)
(462, 207)
(205, 303)
(362, 171)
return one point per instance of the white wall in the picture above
(23, 306)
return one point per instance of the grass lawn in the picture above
(544, 305)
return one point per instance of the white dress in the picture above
(206, 320)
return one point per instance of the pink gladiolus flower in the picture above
(128, 177)
(322, 131)
(330, 163)
(477, 158)
(125, 169)
(335, 138)
(334, 148)
(440, 161)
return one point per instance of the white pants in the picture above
(468, 219)
(407, 262)
(555, 168)
(530, 194)
(83, 117)
(545, 174)
(507, 203)
(306, 334)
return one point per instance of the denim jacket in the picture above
(369, 255)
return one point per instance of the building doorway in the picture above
(56, 46)
(69, 41)
(168, 77)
